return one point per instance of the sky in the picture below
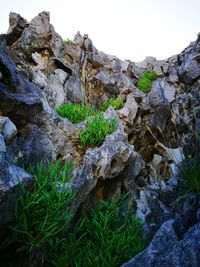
(128, 29)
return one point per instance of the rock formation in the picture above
(38, 71)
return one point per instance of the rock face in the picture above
(102, 165)
(166, 249)
(10, 176)
(38, 72)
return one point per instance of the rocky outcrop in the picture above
(111, 161)
(166, 249)
(10, 176)
(38, 71)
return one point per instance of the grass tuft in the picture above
(52, 236)
(68, 41)
(42, 214)
(101, 237)
(96, 131)
(190, 175)
(116, 103)
(76, 112)
(145, 81)
(97, 127)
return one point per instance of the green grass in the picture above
(145, 81)
(97, 127)
(101, 237)
(190, 176)
(116, 103)
(96, 131)
(76, 112)
(42, 214)
(47, 232)
(68, 41)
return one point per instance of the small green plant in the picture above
(190, 175)
(145, 81)
(96, 130)
(43, 214)
(116, 103)
(101, 237)
(68, 41)
(76, 112)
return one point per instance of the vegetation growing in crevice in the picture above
(43, 213)
(68, 41)
(145, 81)
(190, 175)
(48, 233)
(96, 131)
(97, 127)
(101, 237)
(76, 112)
(116, 103)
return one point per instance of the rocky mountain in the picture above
(156, 131)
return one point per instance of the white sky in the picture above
(129, 29)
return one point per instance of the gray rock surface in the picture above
(10, 176)
(17, 26)
(108, 162)
(7, 129)
(38, 71)
(167, 250)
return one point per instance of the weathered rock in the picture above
(7, 129)
(167, 250)
(175, 155)
(40, 35)
(2, 150)
(38, 72)
(107, 162)
(42, 134)
(129, 111)
(17, 25)
(151, 63)
(74, 90)
(10, 176)
(189, 69)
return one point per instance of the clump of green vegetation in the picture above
(101, 237)
(96, 130)
(145, 81)
(76, 112)
(68, 41)
(42, 214)
(116, 103)
(190, 175)
(97, 127)
(48, 232)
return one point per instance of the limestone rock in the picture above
(104, 163)
(17, 25)
(74, 90)
(167, 250)
(38, 71)
(189, 69)
(10, 176)
(129, 111)
(39, 34)
(7, 129)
